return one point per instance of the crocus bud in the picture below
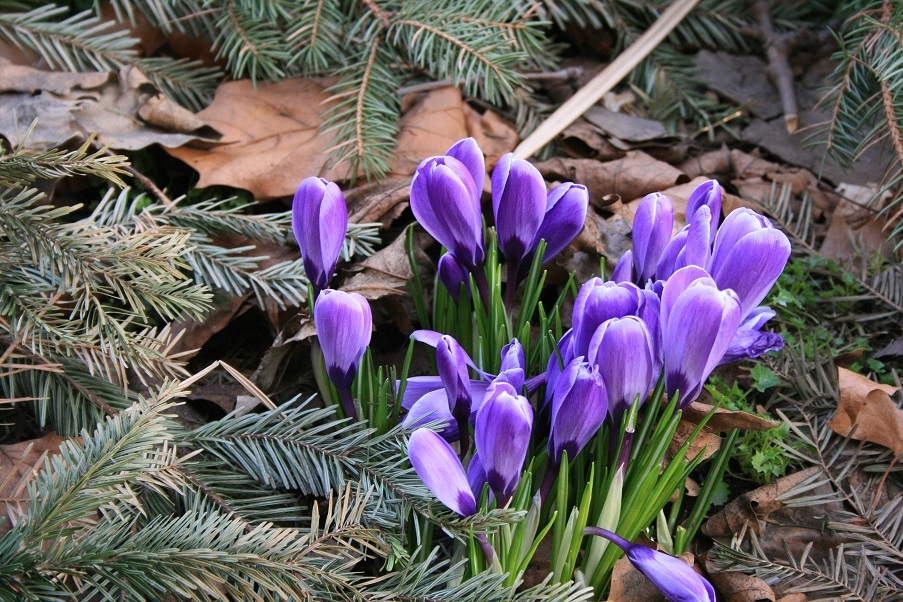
(652, 226)
(598, 301)
(344, 322)
(452, 275)
(441, 471)
(468, 152)
(565, 213)
(698, 250)
(708, 194)
(319, 221)
(698, 323)
(502, 435)
(674, 578)
(749, 256)
(673, 256)
(446, 201)
(451, 360)
(623, 350)
(518, 204)
(579, 406)
(476, 476)
(511, 370)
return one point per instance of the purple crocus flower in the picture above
(579, 406)
(749, 255)
(623, 350)
(452, 275)
(672, 256)
(344, 323)
(518, 204)
(476, 476)
(623, 271)
(446, 201)
(565, 213)
(319, 221)
(502, 435)
(698, 323)
(691, 246)
(708, 194)
(652, 226)
(674, 578)
(511, 370)
(441, 471)
(451, 360)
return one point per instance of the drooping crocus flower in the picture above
(502, 435)
(344, 323)
(446, 201)
(750, 341)
(452, 275)
(674, 578)
(319, 221)
(451, 360)
(438, 466)
(518, 204)
(565, 213)
(698, 323)
(623, 350)
(708, 194)
(652, 226)
(749, 255)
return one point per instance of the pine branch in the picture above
(23, 166)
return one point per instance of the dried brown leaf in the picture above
(867, 406)
(739, 587)
(19, 463)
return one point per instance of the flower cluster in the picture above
(678, 305)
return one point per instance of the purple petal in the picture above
(441, 471)
(750, 342)
(468, 152)
(673, 257)
(432, 407)
(751, 264)
(344, 324)
(597, 302)
(708, 194)
(565, 214)
(698, 250)
(518, 204)
(452, 275)
(652, 227)
(451, 360)
(502, 435)
(622, 348)
(432, 338)
(476, 476)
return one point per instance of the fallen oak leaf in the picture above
(19, 463)
(725, 420)
(866, 412)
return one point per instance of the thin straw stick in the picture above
(590, 94)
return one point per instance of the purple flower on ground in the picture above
(502, 435)
(344, 323)
(518, 204)
(673, 577)
(319, 221)
(446, 201)
(750, 341)
(441, 471)
(749, 255)
(652, 226)
(698, 323)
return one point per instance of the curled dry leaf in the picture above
(19, 463)
(634, 176)
(382, 200)
(867, 406)
(725, 420)
(705, 443)
(384, 273)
